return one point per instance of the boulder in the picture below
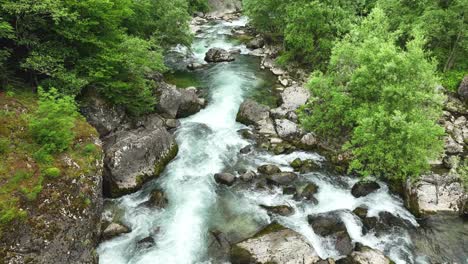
(282, 178)
(296, 164)
(218, 246)
(286, 129)
(365, 255)
(433, 193)
(309, 141)
(463, 206)
(294, 96)
(225, 178)
(114, 230)
(218, 55)
(256, 43)
(309, 166)
(251, 112)
(136, 156)
(308, 192)
(330, 225)
(145, 243)
(363, 188)
(178, 103)
(283, 210)
(452, 146)
(103, 116)
(246, 149)
(248, 176)
(268, 169)
(463, 89)
(274, 244)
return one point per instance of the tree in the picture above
(383, 95)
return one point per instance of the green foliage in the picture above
(52, 172)
(4, 145)
(444, 23)
(198, 6)
(451, 79)
(307, 29)
(384, 96)
(108, 45)
(52, 124)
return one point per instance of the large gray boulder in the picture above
(178, 103)
(101, 115)
(293, 97)
(287, 129)
(251, 113)
(136, 156)
(463, 89)
(365, 255)
(274, 244)
(433, 193)
(218, 55)
(114, 230)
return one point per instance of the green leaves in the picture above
(384, 96)
(51, 126)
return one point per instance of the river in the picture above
(209, 142)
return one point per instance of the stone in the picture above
(366, 255)
(256, 43)
(286, 129)
(195, 66)
(133, 157)
(274, 244)
(463, 89)
(433, 193)
(283, 210)
(309, 191)
(157, 199)
(225, 178)
(268, 169)
(463, 206)
(248, 176)
(114, 230)
(309, 141)
(145, 243)
(296, 164)
(309, 166)
(172, 123)
(330, 225)
(363, 188)
(101, 115)
(452, 146)
(282, 178)
(294, 97)
(251, 112)
(246, 149)
(218, 55)
(178, 103)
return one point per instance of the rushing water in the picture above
(209, 143)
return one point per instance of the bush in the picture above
(52, 172)
(51, 126)
(4, 145)
(384, 97)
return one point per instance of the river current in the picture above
(209, 142)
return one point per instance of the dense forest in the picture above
(375, 68)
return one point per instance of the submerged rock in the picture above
(145, 243)
(363, 188)
(225, 178)
(308, 192)
(283, 210)
(157, 199)
(330, 225)
(248, 176)
(246, 149)
(274, 244)
(218, 55)
(114, 230)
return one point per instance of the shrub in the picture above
(51, 126)
(52, 172)
(4, 145)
